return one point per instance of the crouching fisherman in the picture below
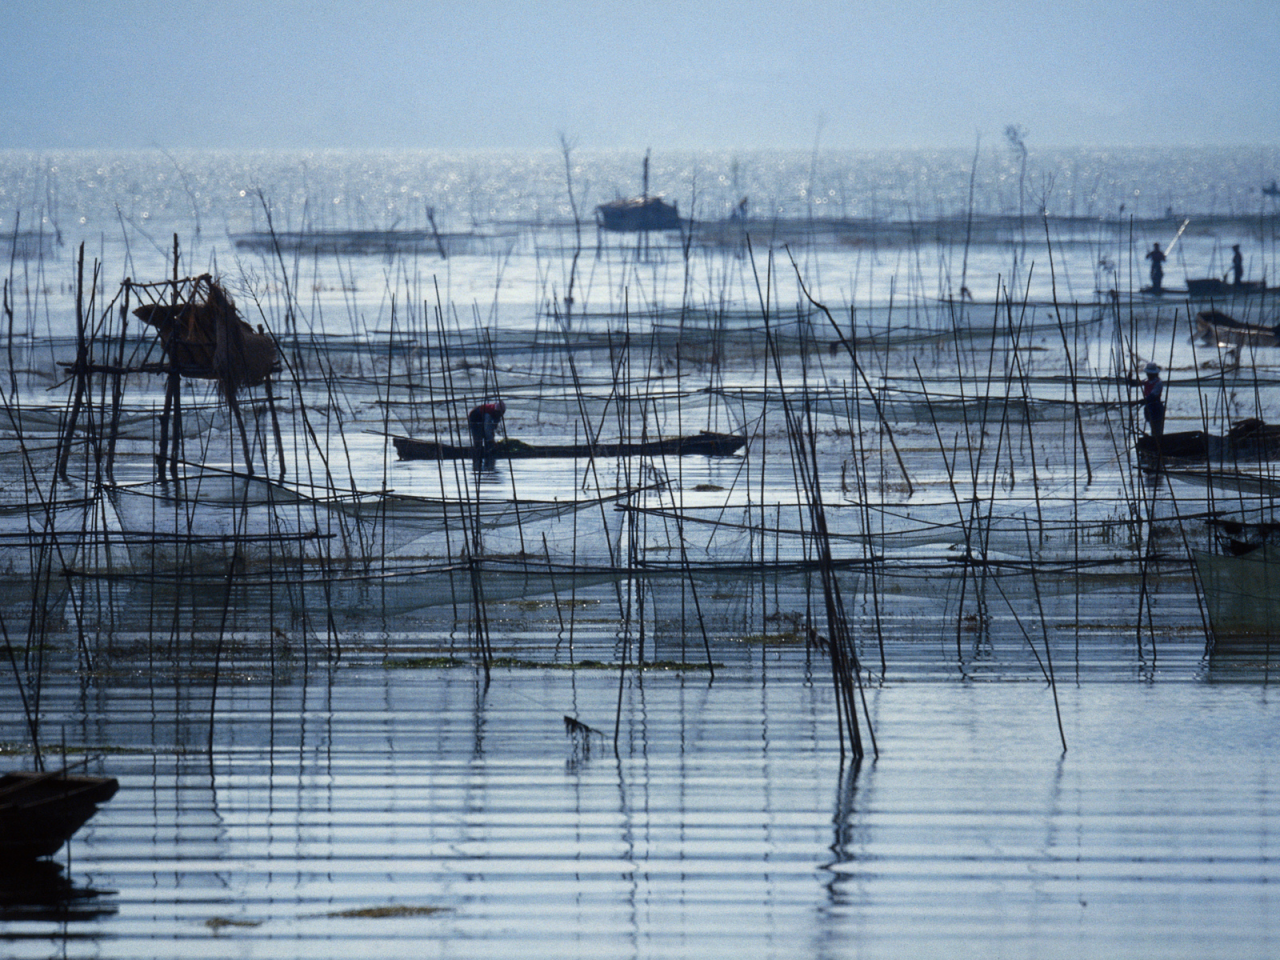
(482, 421)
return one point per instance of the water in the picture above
(126, 207)
(723, 826)
(333, 774)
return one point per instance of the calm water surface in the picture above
(368, 811)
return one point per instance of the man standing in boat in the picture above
(1237, 265)
(1153, 400)
(1157, 258)
(482, 421)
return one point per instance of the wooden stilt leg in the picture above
(234, 403)
(162, 452)
(275, 424)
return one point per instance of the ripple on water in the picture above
(722, 826)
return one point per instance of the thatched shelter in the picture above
(206, 338)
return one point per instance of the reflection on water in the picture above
(42, 892)
(406, 811)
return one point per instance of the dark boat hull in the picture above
(40, 811)
(638, 215)
(1214, 326)
(1248, 440)
(1242, 598)
(1219, 288)
(704, 444)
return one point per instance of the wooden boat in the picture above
(29, 244)
(40, 811)
(1242, 596)
(1217, 288)
(638, 214)
(1214, 326)
(1249, 440)
(1235, 481)
(705, 444)
(371, 243)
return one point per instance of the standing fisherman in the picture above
(482, 421)
(1237, 266)
(1153, 400)
(1157, 258)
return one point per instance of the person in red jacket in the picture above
(482, 421)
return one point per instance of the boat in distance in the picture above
(1207, 288)
(706, 444)
(637, 215)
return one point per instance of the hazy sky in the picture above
(670, 75)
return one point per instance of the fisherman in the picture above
(1237, 265)
(1157, 258)
(1153, 400)
(482, 421)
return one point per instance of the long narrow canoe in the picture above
(1248, 440)
(1217, 288)
(704, 444)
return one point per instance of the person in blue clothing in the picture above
(482, 421)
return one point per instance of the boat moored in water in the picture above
(1214, 326)
(637, 215)
(39, 811)
(1216, 288)
(1242, 597)
(1249, 440)
(706, 444)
